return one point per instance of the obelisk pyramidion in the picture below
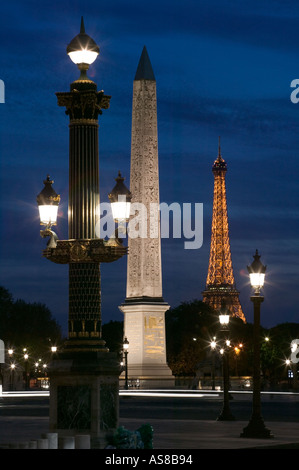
(144, 308)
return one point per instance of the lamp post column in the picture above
(225, 414)
(256, 397)
(83, 104)
(256, 427)
(126, 347)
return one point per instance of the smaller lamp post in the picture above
(26, 357)
(256, 427)
(126, 352)
(213, 345)
(12, 369)
(225, 414)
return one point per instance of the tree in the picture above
(277, 349)
(25, 324)
(112, 333)
(190, 328)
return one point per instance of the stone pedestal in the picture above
(145, 326)
(84, 396)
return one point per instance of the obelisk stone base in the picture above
(145, 330)
(84, 396)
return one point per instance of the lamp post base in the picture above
(84, 389)
(256, 429)
(226, 415)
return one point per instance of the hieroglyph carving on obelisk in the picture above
(144, 262)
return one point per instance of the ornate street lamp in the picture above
(256, 427)
(48, 202)
(120, 199)
(83, 51)
(126, 352)
(83, 251)
(224, 317)
(85, 373)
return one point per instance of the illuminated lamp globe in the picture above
(120, 199)
(257, 272)
(224, 315)
(48, 201)
(224, 319)
(83, 51)
(126, 344)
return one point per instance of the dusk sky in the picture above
(222, 68)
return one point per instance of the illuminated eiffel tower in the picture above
(220, 284)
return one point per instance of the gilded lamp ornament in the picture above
(88, 250)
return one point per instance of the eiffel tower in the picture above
(220, 284)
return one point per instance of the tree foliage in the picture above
(25, 324)
(112, 333)
(189, 328)
(196, 320)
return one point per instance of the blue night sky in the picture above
(222, 69)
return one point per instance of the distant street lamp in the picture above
(256, 427)
(213, 345)
(126, 347)
(26, 356)
(12, 369)
(225, 414)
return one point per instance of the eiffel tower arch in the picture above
(220, 284)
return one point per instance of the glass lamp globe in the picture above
(120, 199)
(126, 344)
(224, 319)
(83, 50)
(224, 315)
(48, 201)
(256, 272)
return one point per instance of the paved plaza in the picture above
(172, 434)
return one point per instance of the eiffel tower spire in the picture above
(220, 284)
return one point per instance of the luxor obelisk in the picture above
(144, 308)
